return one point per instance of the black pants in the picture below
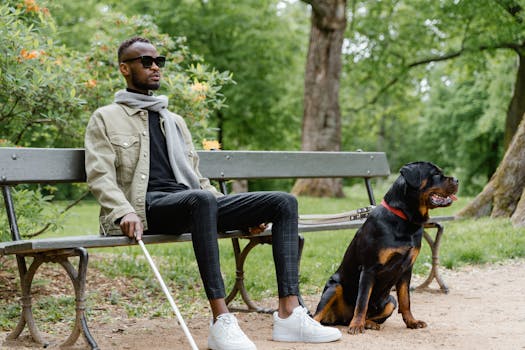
(202, 214)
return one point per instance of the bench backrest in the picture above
(46, 165)
(56, 165)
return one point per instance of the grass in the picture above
(464, 242)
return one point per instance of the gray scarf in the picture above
(177, 151)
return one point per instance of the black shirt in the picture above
(161, 177)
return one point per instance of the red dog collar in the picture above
(394, 210)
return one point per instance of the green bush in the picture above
(34, 211)
(38, 99)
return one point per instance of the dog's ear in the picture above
(412, 173)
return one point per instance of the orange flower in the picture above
(210, 144)
(91, 83)
(199, 98)
(199, 87)
(29, 55)
(31, 6)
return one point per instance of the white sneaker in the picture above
(299, 327)
(225, 334)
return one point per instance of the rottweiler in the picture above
(383, 251)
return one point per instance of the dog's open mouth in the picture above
(439, 200)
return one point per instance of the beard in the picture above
(142, 85)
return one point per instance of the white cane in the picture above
(168, 295)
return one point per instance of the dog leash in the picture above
(315, 219)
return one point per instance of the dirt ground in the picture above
(485, 309)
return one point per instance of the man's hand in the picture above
(257, 229)
(131, 226)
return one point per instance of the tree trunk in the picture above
(518, 218)
(517, 103)
(239, 186)
(321, 130)
(504, 195)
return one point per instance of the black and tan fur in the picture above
(383, 251)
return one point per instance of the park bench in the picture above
(48, 166)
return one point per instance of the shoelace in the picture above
(233, 331)
(305, 319)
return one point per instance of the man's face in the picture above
(137, 76)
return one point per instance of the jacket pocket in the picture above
(127, 149)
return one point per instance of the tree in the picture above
(321, 130)
(500, 197)
(516, 109)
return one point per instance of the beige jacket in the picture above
(117, 162)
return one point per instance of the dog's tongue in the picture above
(453, 197)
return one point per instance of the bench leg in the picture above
(240, 258)
(78, 278)
(239, 287)
(434, 247)
(26, 317)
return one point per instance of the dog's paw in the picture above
(372, 325)
(356, 328)
(414, 324)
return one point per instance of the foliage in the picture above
(38, 100)
(34, 211)
(406, 60)
(476, 127)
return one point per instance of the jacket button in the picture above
(125, 144)
(144, 133)
(143, 177)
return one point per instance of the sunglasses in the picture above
(147, 61)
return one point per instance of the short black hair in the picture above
(127, 43)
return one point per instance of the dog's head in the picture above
(420, 187)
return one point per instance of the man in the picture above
(142, 167)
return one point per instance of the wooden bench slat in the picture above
(44, 165)
(32, 165)
(98, 241)
(90, 241)
(285, 165)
